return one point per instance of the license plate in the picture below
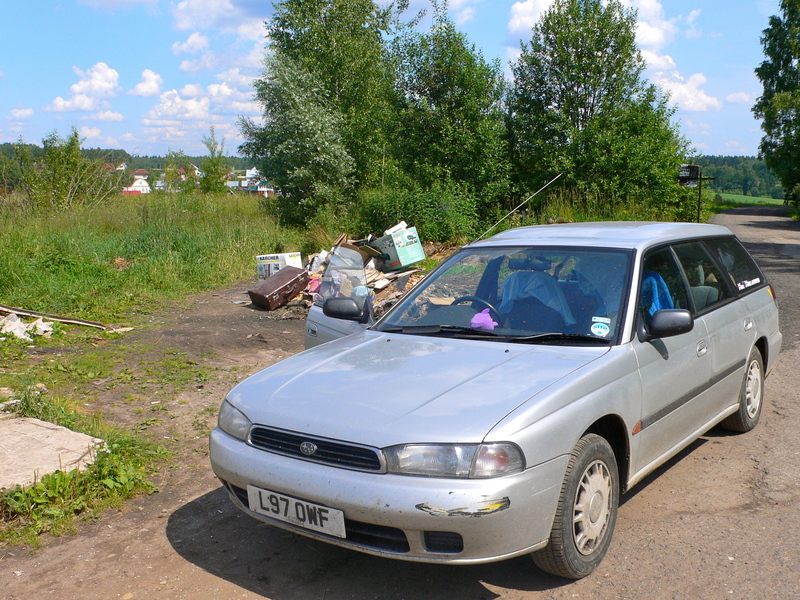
(297, 512)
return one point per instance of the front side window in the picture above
(521, 291)
(662, 285)
(706, 283)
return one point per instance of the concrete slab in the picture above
(30, 448)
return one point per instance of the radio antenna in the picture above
(523, 203)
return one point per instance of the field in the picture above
(740, 200)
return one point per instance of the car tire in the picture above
(586, 512)
(751, 396)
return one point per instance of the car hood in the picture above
(384, 389)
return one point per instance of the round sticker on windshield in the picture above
(601, 329)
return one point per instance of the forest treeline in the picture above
(745, 175)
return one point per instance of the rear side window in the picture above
(706, 283)
(741, 268)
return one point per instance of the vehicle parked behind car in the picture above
(505, 403)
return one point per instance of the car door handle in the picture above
(748, 324)
(312, 330)
(702, 347)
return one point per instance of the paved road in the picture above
(720, 521)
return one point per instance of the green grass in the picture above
(740, 200)
(121, 470)
(133, 255)
(113, 263)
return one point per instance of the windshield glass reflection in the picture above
(517, 292)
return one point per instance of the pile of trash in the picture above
(14, 325)
(379, 269)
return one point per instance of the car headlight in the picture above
(455, 460)
(233, 421)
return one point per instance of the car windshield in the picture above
(519, 293)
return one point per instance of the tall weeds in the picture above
(133, 253)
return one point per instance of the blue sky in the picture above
(150, 76)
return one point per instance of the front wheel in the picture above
(751, 396)
(586, 512)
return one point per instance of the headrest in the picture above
(529, 264)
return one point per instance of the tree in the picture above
(216, 166)
(61, 177)
(300, 149)
(326, 65)
(580, 106)
(179, 173)
(449, 122)
(779, 104)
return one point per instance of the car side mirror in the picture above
(667, 322)
(346, 309)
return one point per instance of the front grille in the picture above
(329, 452)
(367, 535)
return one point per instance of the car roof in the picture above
(609, 234)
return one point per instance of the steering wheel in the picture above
(474, 299)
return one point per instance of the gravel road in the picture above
(719, 521)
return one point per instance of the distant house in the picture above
(139, 186)
(140, 174)
(262, 188)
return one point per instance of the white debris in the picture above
(14, 325)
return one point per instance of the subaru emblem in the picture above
(308, 448)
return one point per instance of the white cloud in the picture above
(150, 85)
(77, 102)
(236, 78)
(524, 15)
(204, 63)
(740, 98)
(245, 108)
(687, 94)
(252, 29)
(90, 133)
(657, 61)
(173, 107)
(192, 90)
(737, 147)
(203, 14)
(101, 81)
(697, 128)
(655, 35)
(21, 114)
(693, 31)
(94, 85)
(106, 115)
(465, 16)
(196, 42)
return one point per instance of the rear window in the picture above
(741, 267)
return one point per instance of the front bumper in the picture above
(495, 518)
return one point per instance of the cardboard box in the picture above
(269, 264)
(403, 248)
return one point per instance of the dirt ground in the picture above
(719, 521)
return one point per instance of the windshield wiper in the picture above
(446, 329)
(544, 338)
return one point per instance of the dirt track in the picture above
(720, 521)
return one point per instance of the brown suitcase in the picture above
(277, 290)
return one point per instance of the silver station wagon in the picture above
(503, 405)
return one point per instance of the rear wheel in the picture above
(586, 513)
(751, 396)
